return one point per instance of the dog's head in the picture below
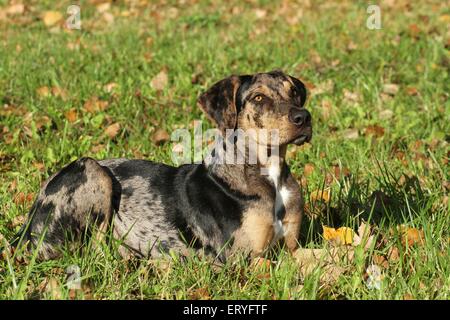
(272, 101)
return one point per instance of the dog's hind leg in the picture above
(72, 201)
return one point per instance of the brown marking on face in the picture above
(279, 95)
(260, 101)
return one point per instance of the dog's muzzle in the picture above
(301, 118)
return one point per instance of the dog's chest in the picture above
(282, 197)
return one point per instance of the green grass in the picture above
(199, 44)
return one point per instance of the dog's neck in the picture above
(261, 178)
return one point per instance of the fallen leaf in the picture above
(15, 9)
(393, 254)
(374, 130)
(308, 169)
(350, 96)
(320, 195)
(363, 237)
(59, 92)
(112, 130)
(159, 82)
(414, 30)
(408, 296)
(342, 235)
(262, 263)
(200, 294)
(390, 88)
(103, 7)
(350, 134)
(53, 287)
(110, 87)
(51, 18)
(17, 221)
(71, 115)
(380, 261)
(411, 236)
(160, 137)
(411, 91)
(43, 92)
(310, 260)
(386, 114)
(260, 13)
(94, 104)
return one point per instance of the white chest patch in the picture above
(274, 174)
(285, 194)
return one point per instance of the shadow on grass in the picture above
(395, 201)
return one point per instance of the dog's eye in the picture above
(258, 98)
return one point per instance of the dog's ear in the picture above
(301, 89)
(219, 102)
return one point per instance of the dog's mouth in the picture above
(301, 138)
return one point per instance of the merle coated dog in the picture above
(153, 208)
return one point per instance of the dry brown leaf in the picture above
(17, 221)
(262, 263)
(411, 91)
(408, 296)
(159, 82)
(386, 114)
(363, 237)
(411, 236)
(350, 96)
(160, 137)
(350, 134)
(51, 18)
(112, 130)
(310, 260)
(390, 89)
(200, 294)
(94, 104)
(43, 92)
(374, 130)
(393, 254)
(380, 261)
(59, 92)
(53, 287)
(110, 87)
(414, 30)
(71, 115)
(308, 169)
(15, 9)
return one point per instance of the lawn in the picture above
(131, 75)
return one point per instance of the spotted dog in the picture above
(153, 208)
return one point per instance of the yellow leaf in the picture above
(43, 91)
(343, 235)
(51, 18)
(329, 233)
(320, 195)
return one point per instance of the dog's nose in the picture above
(299, 117)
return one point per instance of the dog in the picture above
(219, 208)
